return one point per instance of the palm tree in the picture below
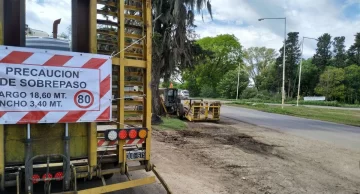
(172, 39)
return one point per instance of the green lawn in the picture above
(301, 102)
(172, 124)
(349, 117)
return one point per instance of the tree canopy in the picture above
(323, 52)
(339, 52)
(331, 83)
(354, 51)
(227, 86)
(223, 55)
(258, 59)
(292, 56)
(172, 39)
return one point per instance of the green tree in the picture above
(172, 46)
(339, 51)
(352, 83)
(227, 86)
(226, 56)
(331, 84)
(354, 51)
(270, 80)
(208, 91)
(249, 92)
(190, 80)
(257, 60)
(293, 54)
(322, 56)
(308, 78)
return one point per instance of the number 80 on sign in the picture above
(84, 99)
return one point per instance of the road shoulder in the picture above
(235, 157)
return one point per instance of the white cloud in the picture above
(42, 16)
(310, 18)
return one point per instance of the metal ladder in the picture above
(126, 38)
(107, 39)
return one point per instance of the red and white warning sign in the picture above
(48, 86)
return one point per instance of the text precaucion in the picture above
(47, 88)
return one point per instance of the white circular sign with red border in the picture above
(84, 99)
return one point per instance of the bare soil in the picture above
(235, 157)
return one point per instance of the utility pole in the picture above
(238, 82)
(283, 77)
(302, 49)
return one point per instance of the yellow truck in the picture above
(76, 124)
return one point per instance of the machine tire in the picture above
(108, 176)
(180, 111)
(108, 166)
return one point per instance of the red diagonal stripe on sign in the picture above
(72, 117)
(58, 60)
(104, 115)
(104, 86)
(94, 63)
(16, 57)
(32, 117)
(140, 141)
(100, 142)
(112, 142)
(2, 113)
(130, 141)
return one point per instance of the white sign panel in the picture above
(314, 98)
(38, 86)
(35, 88)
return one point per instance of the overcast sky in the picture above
(310, 18)
(40, 14)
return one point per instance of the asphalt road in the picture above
(338, 134)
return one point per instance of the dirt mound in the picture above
(240, 140)
(250, 145)
(169, 137)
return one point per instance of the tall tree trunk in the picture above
(293, 94)
(289, 86)
(155, 82)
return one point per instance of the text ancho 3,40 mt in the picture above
(40, 86)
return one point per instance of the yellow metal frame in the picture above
(119, 186)
(190, 116)
(129, 62)
(121, 102)
(92, 131)
(147, 86)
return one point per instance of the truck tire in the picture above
(108, 166)
(108, 176)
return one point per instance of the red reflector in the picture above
(59, 176)
(123, 134)
(47, 176)
(132, 133)
(35, 178)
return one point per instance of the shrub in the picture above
(249, 93)
(208, 92)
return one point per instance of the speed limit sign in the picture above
(84, 99)
(54, 86)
